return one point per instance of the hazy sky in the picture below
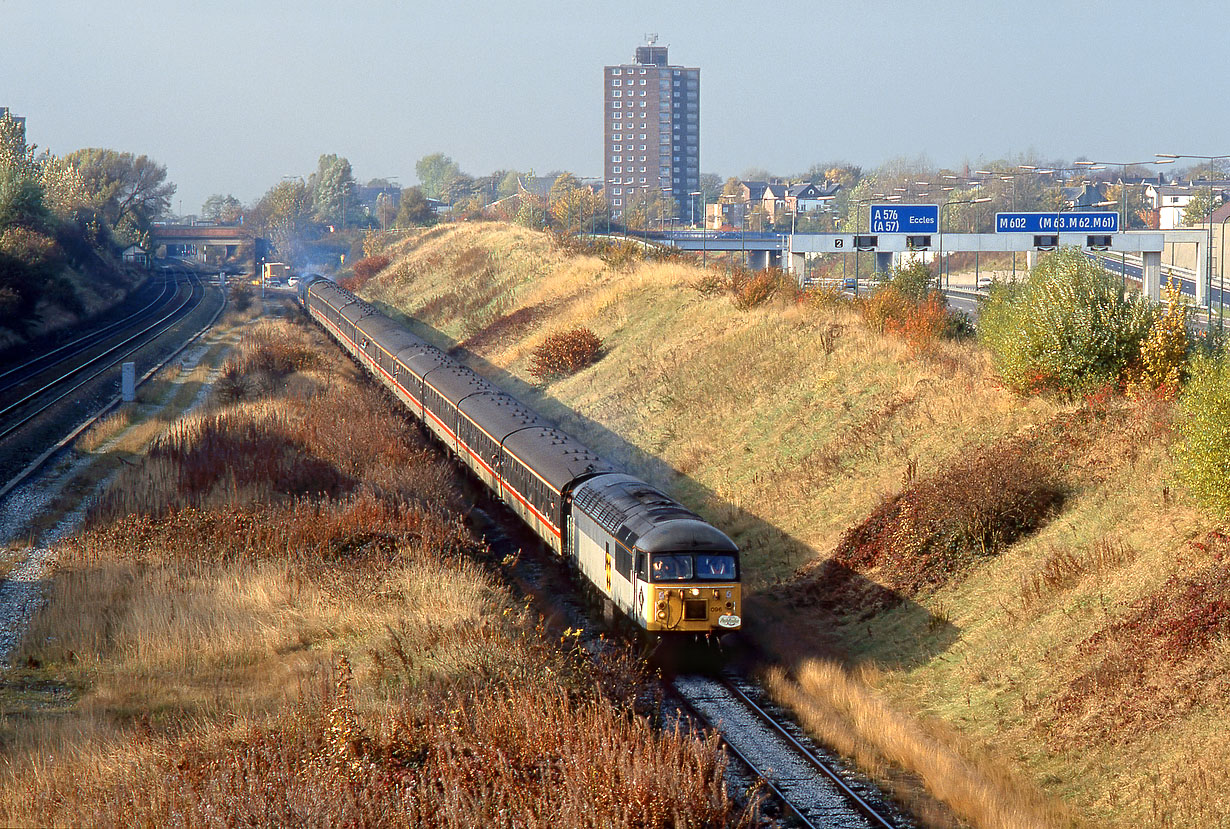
(232, 96)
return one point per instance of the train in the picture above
(665, 569)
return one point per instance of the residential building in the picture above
(1171, 200)
(651, 132)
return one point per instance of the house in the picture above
(806, 198)
(1084, 195)
(135, 255)
(1169, 200)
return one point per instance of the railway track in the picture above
(24, 401)
(49, 357)
(809, 785)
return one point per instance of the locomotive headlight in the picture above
(694, 591)
(661, 606)
(662, 615)
(730, 605)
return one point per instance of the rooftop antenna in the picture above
(651, 38)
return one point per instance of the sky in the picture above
(234, 95)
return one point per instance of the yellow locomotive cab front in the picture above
(693, 593)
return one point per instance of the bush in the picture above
(921, 323)
(878, 308)
(1202, 453)
(937, 527)
(913, 280)
(1069, 329)
(1163, 354)
(565, 353)
(364, 270)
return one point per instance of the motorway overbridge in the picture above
(791, 251)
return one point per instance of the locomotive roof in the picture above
(644, 517)
(501, 414)
(556, 456)
(458, 382)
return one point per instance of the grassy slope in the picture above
(745, 418)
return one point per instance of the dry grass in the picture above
(980, 789)
(270, 619)
(789, 423)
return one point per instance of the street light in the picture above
(1123, 165)
(704, 238)
(981, 200)
(1208, 258)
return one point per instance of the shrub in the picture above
(565, 353)
(1202, 453)
(920, 323)
(937, 527)
(913, 280)
(364, 270)
(1163, 354)
(883, 305)
(1069, 329)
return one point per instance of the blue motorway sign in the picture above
(1052, 222)
(905, 218)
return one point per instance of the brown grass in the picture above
(981, 789)
(219, 646)
(791, 422)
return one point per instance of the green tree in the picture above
(1204, 201)
(225, 209)
(130, 191)
(510, 184)
(415, 210)
(436, 172)
(332, 188)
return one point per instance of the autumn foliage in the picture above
(364, 270)
(565, 353)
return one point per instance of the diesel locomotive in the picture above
(656, 561)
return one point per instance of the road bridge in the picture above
(197, 240)
(791, 250)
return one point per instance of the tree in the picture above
(710, 186)
(571, 203)
(436, 172)
(386, 212)
(648, 206)
(415, 210)
(1204, 202)
(224, 209)
(130, 191)
(332, 189)
(283, 213)
(510, 184)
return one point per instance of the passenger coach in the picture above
(652, 558)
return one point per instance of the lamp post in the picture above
(1208, 258)
(1122, 165)
(1221, 283)
(704, 251)
(946, 283)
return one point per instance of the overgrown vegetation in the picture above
(225, 643)
(1069, 329)
(565, 353)
(1202, 452)
(937, 527)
